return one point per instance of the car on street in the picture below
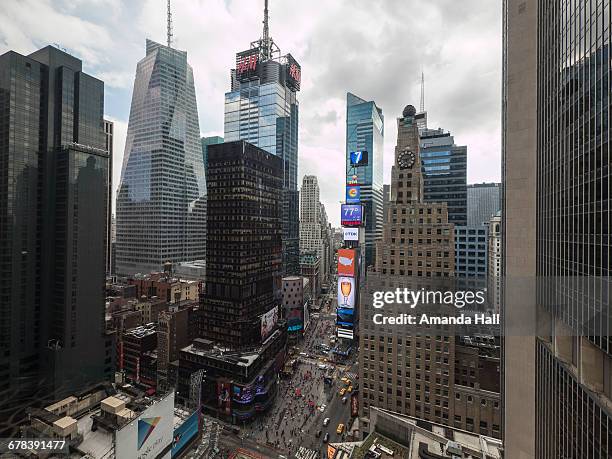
(344, 399)
(326, 437)
(349, 389)
(346, 381)
(318, 434)
(340, 429)
(303, 354)
(342, 391)
(325, 421)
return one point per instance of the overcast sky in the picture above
(373, 48)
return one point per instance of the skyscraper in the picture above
(262, 108)
(206, 141)
(109, 129)
(365, 131)
(445, 172)
(162, 195)
(484, 201)
(243, 262)
(556, 229)
(313, 225)
(53, 229)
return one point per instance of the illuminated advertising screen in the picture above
(260, 385)
(247, 63)
(346, 292)
(184, 433)
(352, 180)
(345, 333)
(351, 214)
(294, 73)
(359, 158)
(347, 260)
(344, 317)
(268, 322)
(242, 394)
(224, 402)
(354, 404)
(353, 194)
(150, 434)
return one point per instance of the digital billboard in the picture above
(242, 394)
(355, 404)
(345, 333)
(359, 158)
(294, 73)
(350, 234)
(346, 292)
(184, 433)
(347, 259)
(150, 434)
(353, 194)
(224, 401)
(351, 214)
(247, 63)
(345, 317)
(352, 180)
(268, 322)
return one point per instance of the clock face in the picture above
(406, 159)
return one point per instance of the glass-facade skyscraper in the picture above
(444, 168)
(262, 108)
(556, 222)
(54, 168)
(161, 204)
(365, 131)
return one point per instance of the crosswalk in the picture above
(350, 375)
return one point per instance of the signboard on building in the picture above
(247, 63)
(353, 194)
(347, 260)
(294, 73)
(351, 214)
(355, 404)
(149, 435)
(331, 452)
(359, 158)
(350, 234)
(352, 180)
(344, 317)
(224, 401)
(345, 333)
(346, 292)
(268, 322)
(184, 433)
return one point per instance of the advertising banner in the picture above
(351, 214)
(184, 433)
(294, 73)
(344, 317)
(224, 401)
(150, 434)
(353, 194)
(359, 158)
(247, 63)
(346, 292)
(242, 394)
(268, 322)
(345, 333)
(350, 234)
(354, 404)
(331, 452)
(346, 262)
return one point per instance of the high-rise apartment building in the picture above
(262, 108)
(162, 195)
(484, 201)
(365, 131)
(243, 263)
(444, 167)
(494, 264)
(556, 229)
(54, 168)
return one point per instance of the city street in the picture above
(304, 400)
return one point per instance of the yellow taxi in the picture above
(349, 389)
(346, 381)
(342, 391)
(340, 429)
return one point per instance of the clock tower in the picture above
(406, 176)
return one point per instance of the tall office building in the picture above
(444, 167)
(243, 262)
(483, 201)
(109, 129)
(365, 130)
(494, 263)
(414, 370)
(162, 195)
(556, 229)
(206, 141)
(471, 251)
(262, 108)
(53, 228)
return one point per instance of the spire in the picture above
(422, 107)
(266, 33)
(170, 25)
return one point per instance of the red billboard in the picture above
(346, 262)
(354, 404)
(224, 399)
